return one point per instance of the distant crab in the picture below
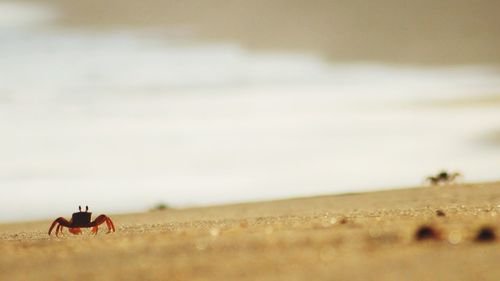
(79, 220)
(443, 177)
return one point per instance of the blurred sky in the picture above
(165, 105)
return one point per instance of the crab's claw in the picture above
(75, 230)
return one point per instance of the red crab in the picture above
(79, 220)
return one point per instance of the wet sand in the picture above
(450, 32)
(481, 101)
(369, 236)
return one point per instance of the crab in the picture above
(443, 177)
(79, 220)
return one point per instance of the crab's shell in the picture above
(81, 219)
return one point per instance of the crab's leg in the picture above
(59, 222)
(109, 223)
(100, 220)
(59, 230)
(111, 226)
(52, 226)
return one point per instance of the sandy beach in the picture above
(125, 104)
(368, 236)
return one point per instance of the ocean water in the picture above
(121, 120)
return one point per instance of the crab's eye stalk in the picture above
(86, 209)
(80, 208)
